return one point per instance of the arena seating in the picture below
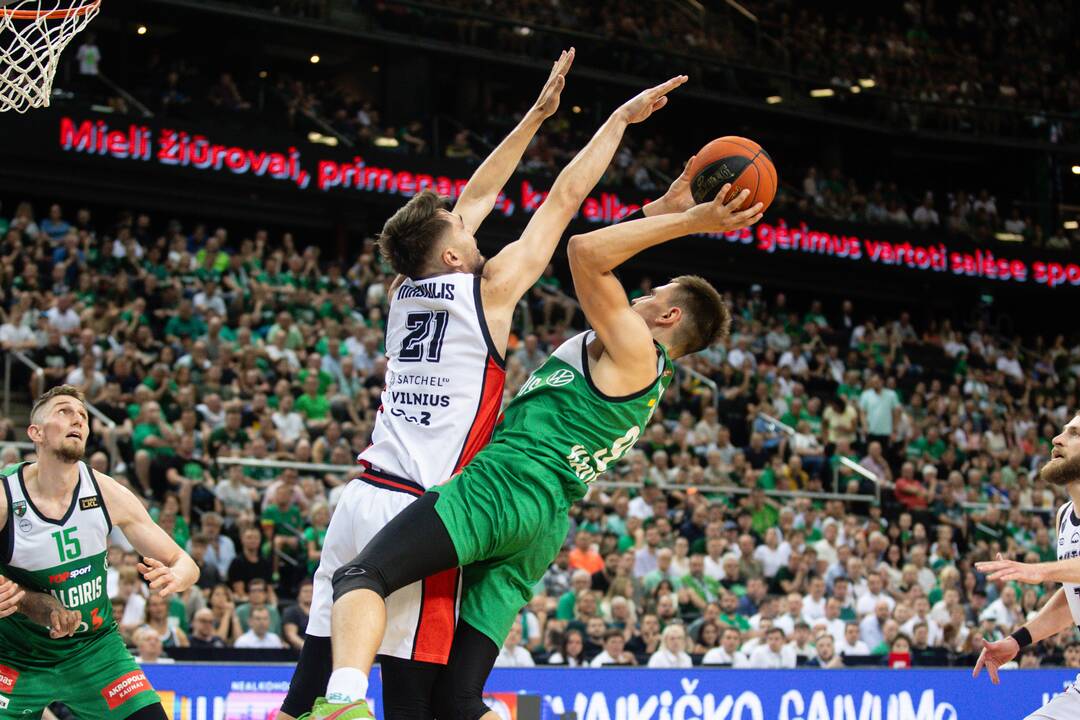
(824, 471)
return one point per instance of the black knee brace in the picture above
(358, 574)
(412, 546)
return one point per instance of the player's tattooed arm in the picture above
(41, 608)
(480, 194)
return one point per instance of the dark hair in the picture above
(611, 634)
(566, 639)
(408, 236)
(707, 317)
(58, 391)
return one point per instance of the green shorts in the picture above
(101, 680)
(507, 526)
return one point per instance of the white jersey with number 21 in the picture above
(444, 380)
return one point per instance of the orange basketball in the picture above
(738, 161)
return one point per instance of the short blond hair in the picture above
(58, 391)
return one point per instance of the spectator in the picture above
(584, 556)
(203, 633)
(259, 597)
(571, 651)
(512, 654)
(89, 56)
(728, 651)
(773, 653)
(220, 550)
(259, 636)
(149, 648)
(826, 656)
(614, 652)
(672, 652)
(295, 620)
(223, 606)
(851, 644)
(250, 564)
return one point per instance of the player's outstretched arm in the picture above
(593, 257)
(480, 194)
(508, 275)
(165, 566)
(1053, 618)
(1059, 571)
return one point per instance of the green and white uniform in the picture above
(506, 512)
(91, 672)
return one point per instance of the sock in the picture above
(347, 685)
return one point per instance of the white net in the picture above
(33, 33)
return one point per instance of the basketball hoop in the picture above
(33, 33)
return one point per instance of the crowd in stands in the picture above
(949, 57)
(201, 348)
(960, 214)
(938, 64)
(642, 165)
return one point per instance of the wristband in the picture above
(1022, 637)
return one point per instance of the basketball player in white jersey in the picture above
(1063, 610)
(447, 329)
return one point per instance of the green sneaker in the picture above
(325, 710)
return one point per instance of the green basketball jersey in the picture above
(561, 421)
(66, 558)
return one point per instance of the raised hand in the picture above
(645, 103)
(63, 622)
(678, 197)
(548, 102)
(10, 595)
(717, 216)
(159, 576)
(1009, 570)
(994, 655)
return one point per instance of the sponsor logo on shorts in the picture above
(124, 688)
(8, 677)
(61, 578)
(90, 503)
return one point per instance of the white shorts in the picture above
(420, 618)
(1065, 706)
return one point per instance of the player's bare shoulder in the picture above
(121, 503)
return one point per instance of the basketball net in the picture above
(33, 33)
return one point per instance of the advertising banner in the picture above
(253, 692)
(279, 174)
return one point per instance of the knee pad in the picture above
(358, 575)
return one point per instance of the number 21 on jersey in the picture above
(421, 325)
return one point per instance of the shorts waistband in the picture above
(378, 478)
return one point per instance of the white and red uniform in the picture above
(1066, 706)
(443, 391)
